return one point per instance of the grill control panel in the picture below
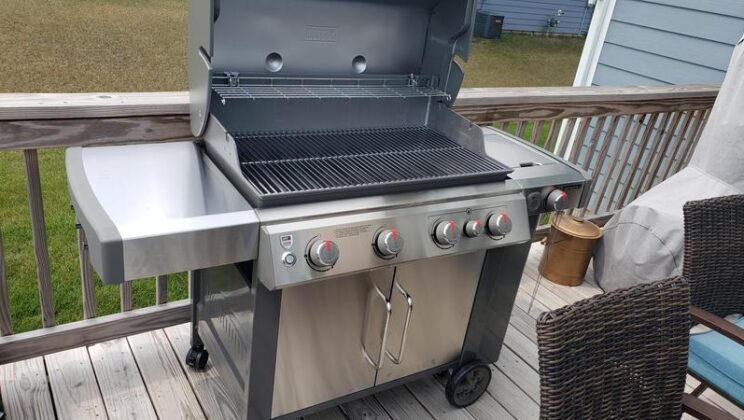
(311, 249)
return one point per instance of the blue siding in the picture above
(656, 42)
(532, 16)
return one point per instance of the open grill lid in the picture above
(325, 49)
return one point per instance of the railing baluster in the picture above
(521, 125)
(680, 138)
(628, 123)
(641, 151)
(690, 140)
(125, 296)
(592, 147)
(537, 128)
(550, 143)
(189, 278)
(696, 137)
(504, 125)
(607, 141)
(5, 322)
(161, 289)
(630, 141)
(86, 276)
(566, 137)
(656, 166)
(578, 142)
(653, 154)
(38, 226)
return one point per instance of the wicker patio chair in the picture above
(714, 266)
(619, 355)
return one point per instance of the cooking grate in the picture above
(293, 167)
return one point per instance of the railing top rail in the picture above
(581, 95)
(54, 106)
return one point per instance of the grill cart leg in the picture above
(467, 383)
(197, 355)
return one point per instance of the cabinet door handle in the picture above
(376, 294)
(409, 300)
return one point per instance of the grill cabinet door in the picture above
(442, 291)
(319, 350)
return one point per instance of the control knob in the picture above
(323, 253)
(499, 224)
(389, 243)
(447, 233)
(473, 228)
(557, 200)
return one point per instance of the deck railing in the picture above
(627, 138)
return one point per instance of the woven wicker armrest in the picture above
(618, 355)
(718, 324)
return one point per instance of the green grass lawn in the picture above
(139, 45)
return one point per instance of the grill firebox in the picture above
(289, 168)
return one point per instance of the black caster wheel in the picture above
(467, 383)
(197, 357)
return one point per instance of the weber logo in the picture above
(320, 33)
(286, 241)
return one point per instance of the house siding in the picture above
(532, 16)
(661, 42)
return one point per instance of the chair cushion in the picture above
(719, 361)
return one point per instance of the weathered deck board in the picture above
(521, 373)
(334, 413)
(120, 381)
(146, 374)
(166, 382)
(401, 404)
(24, 390)
(367, 408)
(430, 394)
(74, 386)
(208, 387)
(516, 402)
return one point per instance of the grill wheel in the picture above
(467, 383)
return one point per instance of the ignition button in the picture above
(289, 259)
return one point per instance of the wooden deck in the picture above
(144, 376)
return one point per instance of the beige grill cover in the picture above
(644, 241)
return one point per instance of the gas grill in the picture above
(347, 231)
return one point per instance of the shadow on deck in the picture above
(144, 376)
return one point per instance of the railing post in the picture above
(5, 323)
(86, 276)
(38, 225)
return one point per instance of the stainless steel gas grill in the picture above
(349, 232)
